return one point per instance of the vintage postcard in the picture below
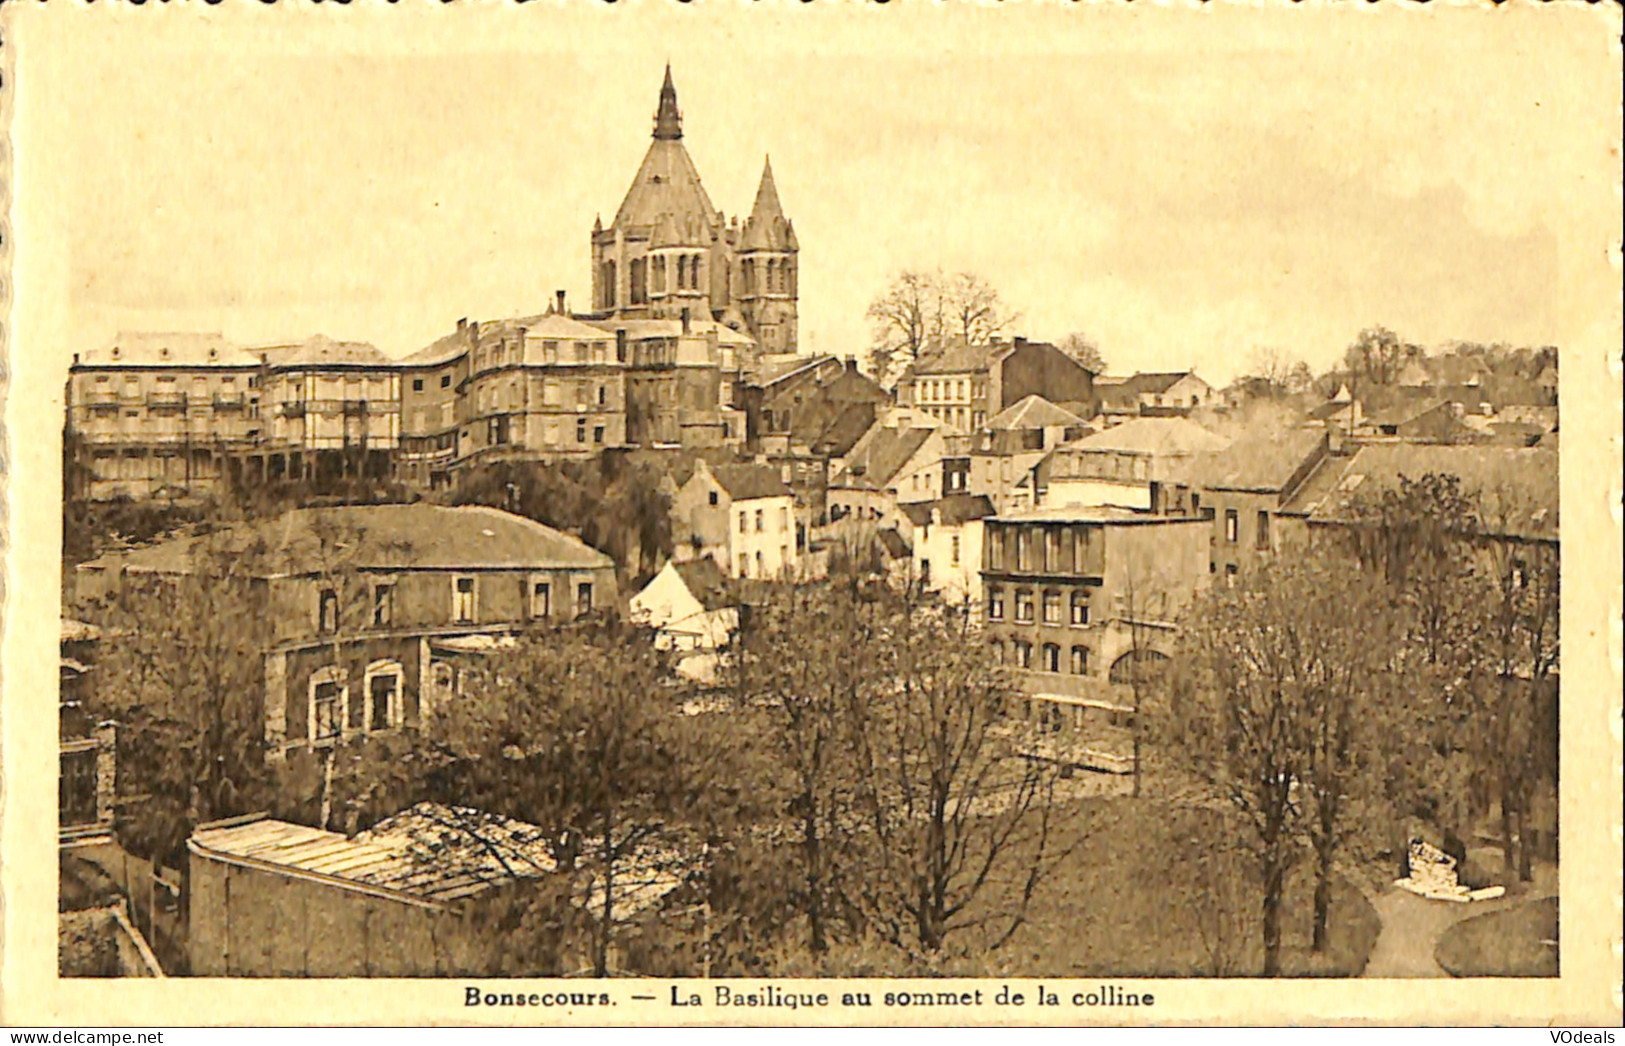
(840, 513)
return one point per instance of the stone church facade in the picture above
(670, 254)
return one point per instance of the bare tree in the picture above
(903, 319)
(1237, 718)
(1085, 350)
(957, 822)
(921, 309)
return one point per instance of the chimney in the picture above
(851, 364)
(462, 325)
(559, 295)
(685, 320)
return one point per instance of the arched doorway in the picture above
(1151, 663)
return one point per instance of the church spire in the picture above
(767, 205)
(668, 118)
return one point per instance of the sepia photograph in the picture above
(922, 498)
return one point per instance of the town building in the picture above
(1135, 465)
(1243, 488)
(692, 611)
(946, 539)
(964, 384)
(1076, 597)
(1162, 394)
(372, 611)
(669, 253)
(742, 516)
(159, 414)
(886, 468)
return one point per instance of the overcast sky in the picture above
(1185, 186)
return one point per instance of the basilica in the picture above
(670, 253)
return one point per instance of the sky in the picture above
(1185, 186)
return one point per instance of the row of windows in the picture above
(380, 611)
(380, 706)
(761, 518)
(1051, 602)
(1020, 654)
(745, 563)
(959, 390)
(445, 383)
(773, 276)
(1062, 549)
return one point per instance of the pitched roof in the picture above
(956, 357)
(441, 350)
(319, 350)
(1032, 412)
(1516, 487)
(169, 349)
(667, 186)
(639, 330)
(1257, 463)
(705, 582)
(876, 457)
(954, 509)
(767, 228)
(744, 482)
(1155, 436)
(1157, 381)
(843, 432)
(893, 544)
(422, 536)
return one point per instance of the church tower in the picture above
(767, 263)
(669, 253)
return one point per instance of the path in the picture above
(1412, 925)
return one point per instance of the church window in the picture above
(638, 292)
(609, 285)
(657, 275)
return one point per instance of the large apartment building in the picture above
(684, 306)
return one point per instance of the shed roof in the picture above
(880, 453)
(432, 853)
(955, 509)
(1259, 463)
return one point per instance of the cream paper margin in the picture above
(1588, 992)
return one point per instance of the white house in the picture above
(947, 545)
(743, 516)
(686, 605)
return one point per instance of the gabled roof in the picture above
(1264, 463)
(1032, 412)
(744, 482)
(1157, 381)
(882, 452)
(954, 509)
(1516, 488)
(168, 349)
(1154, 436)
(842, 434)
(421, 536)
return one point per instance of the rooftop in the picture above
(881, 452)
(744, 482)
(1155, 436)
(1110, 515)
(320, 350)
(1516, 488)
(431, 853)
(420, 536)
(954, 509)
(1032, 412)
(1256, 463)
(168, 349)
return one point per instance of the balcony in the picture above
(102, 400)
(295, 409)
(230, 401)
(166, 401)
(355, 408)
